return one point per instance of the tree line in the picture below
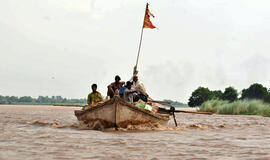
(255, 91)
(40, 100)
(173, 103)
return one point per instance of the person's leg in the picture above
(110, 94)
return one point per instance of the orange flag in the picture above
(147, 23)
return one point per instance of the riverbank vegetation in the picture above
(254, 100)
(174, 103)
(255, 91)
(41, 100)
(239, 107)
(46, 100)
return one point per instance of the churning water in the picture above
(49, 132)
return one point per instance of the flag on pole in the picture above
(147, 23)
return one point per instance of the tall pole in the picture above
(138, 55)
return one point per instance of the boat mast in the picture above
(138, 55)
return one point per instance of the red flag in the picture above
(147, 23)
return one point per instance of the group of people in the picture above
(130, 91)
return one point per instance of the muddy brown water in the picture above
(50, 132)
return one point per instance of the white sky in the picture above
(61, 47)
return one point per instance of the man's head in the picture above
(129, 84)
(94, 87)
(135, 78)
(117, 79)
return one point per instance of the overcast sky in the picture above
(61, 47)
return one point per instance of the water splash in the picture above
(96, 125)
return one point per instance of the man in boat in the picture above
(95, 96)
(128, 92)
(139, 87)
(114, 87)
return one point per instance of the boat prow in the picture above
(118, 113)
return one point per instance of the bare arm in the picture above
(110, 88)
(122, 83)
(129, 92)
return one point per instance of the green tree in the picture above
(217, 94)
(12, 99)
(255, 91)
(267, 98)
(26, 99)
(3, 100)
(43, 100)
(64, 100)
(230, 94)
(199, 96)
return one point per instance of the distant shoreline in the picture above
(74, 105)
(63, 105)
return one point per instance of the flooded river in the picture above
(50, 132)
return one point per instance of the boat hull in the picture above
(118, 113)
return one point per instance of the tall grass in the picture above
(246, 107)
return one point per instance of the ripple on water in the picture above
(47, 132)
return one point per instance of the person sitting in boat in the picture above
(114, 87)
(139, 87)
(128, 92)
(95, 96)
(121, 91)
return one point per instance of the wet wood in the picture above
(209, 113)
(166, 102)
(168, 111)
(117, 112)
(69, 105)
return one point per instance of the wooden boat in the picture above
(118, 113)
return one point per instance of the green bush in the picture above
(212, 105)
(240, 107)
